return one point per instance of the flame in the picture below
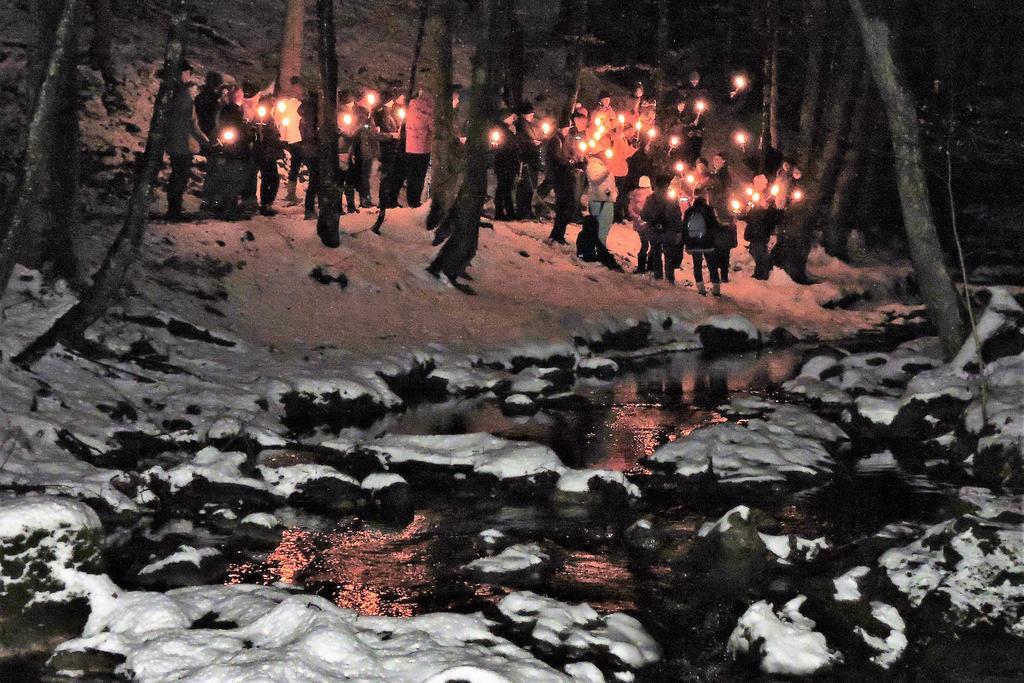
(583, 146)
(622, 118)
(495, 136)
(798, 194)
(691, 179)
(775, 189)
(674, 141)
(347, 119)
(739, 81)
(545, 127)
(286, 121)
(281, 106)
(401, 112)
(609, 153)
(651, 132)
(735, 204)
(228, 135)
(741, 138)
(262, 112)
(701, 105)
(371, 99)
(679, 167)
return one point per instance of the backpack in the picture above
(696, 227)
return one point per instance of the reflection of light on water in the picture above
(376, 572)
(607, 584)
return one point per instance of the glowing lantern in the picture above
(495, 136)
(262, 112)
(622, 119)
(583, 147)
(545, 128)
(701, 106)
(741, 138)
(371, 99)
(739, 81)
(735, 205)
(756, 197)
(652, 132)
(347, 119)
(282, 107)
(798, 194)
(401, 112)
(639, 126)
(679, 167)
(609, 153)
(775, 190)
(228, 135)
(286, 122)
(691, 179)
(673, 141)
(749, 190)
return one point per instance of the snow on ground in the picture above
(783, 642)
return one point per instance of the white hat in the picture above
(645, 183)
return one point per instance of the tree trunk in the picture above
(574, 56)
(291, 45)
(107, 282)
(460, 248)
(797, 232)
(421, 27)
(329, 196)
(816, 24)
(445, 151)
(773, 107)
(848, 184)
(661, 53)
(515, 68)
(101, 39)
(764, 140)
(41, 215)
(937, 288)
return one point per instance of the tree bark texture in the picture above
(329, 195)
(421, 28)
(458, 251)
(937, 288)
(797, 232)
(445, 151)
(100, 57)
(34, 221)
(55, 202)
(574, 57)
(848, 184)
(107, 282)
(773, 104)
(816, 28)
(291, 44)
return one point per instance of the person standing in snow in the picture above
(231, 158)
(637, 199)
(507, 163)
(267, 150)
(762, 220)
(719, 188)
(665, 226)
(560, 161)
(419, 136)
(184, 140)
(603, 192)
(529, 155)
(389, 120)
(700, 225)
(286, 116)
(351, 118)
(208, 103)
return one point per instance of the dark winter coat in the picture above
(664, 220)
(700, 211)
(761, 223)
(183, 130)
(559, 158)
(207, 106)
(308, 111)
(232, 117)
(507, 157)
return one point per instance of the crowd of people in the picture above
(638, 163)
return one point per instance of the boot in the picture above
(716, 289)
(641, 264)
(701, 290)
(292, 198)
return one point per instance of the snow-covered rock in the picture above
(186, 566)
(788, 442)
(50, 549)
(728, 333)
(967, 571)
(272, 635)
(600, 368)
(600, 485)
(520, 564)
(578, 629)
(784, 642)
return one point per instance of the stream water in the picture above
(405, 570)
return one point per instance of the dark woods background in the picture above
(963, 60)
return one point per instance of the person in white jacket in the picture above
(603, 193)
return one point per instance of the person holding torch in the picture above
(507, 163)
(561, 161)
